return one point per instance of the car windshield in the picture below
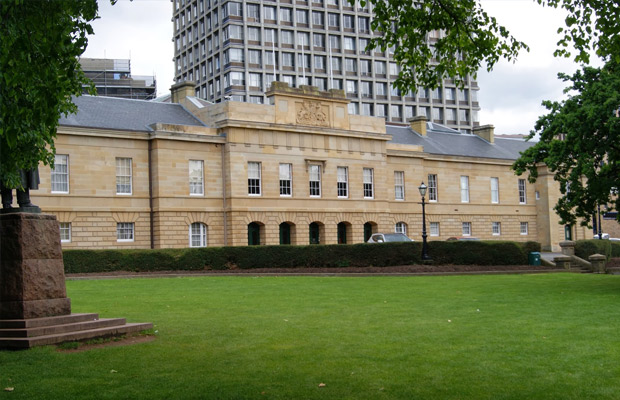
(396, 237)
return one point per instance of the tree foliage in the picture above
(579, 143)
(40, 42)
(591, 26)
(437, 39)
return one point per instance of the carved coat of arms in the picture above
(310, 113)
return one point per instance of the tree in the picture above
(471, 39)
(40, 42)
(579, 143)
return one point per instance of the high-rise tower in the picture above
(234, 49)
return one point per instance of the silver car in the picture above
(389, 237)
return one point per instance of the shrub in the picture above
(585, 248)
(329, 256)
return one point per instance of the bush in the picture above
(585, 248)
(326, 256)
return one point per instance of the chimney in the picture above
(180, 91)
(486, 132)
(418, 124)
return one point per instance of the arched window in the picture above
(198, 235)
(400, 227)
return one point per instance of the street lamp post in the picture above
(600, 230)
(425, 256)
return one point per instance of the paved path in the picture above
(550, 256)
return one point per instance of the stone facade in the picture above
(309, 130)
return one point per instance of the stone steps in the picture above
(27, 333)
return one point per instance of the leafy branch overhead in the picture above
(437, 39)
(39, 72)
(579, 143)
(433, 40)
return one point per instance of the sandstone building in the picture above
(138, 174)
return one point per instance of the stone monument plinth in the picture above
(32, 277)
(34, 308)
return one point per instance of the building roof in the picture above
(126, 114)
(442, 140)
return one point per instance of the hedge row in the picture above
(330, 256)
(585, 248)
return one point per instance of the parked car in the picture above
(462, 238)
(603, 236)
(388, 237)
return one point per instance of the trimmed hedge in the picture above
(330, 256)
(585, 248)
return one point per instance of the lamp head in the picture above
(422, 189)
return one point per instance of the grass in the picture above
(454, 337)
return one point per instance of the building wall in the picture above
(161, 202)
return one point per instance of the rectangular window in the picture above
(315, 180)
(368, 183)
(466, 228)
(254, 178)
(269, 13)
(522, 193)
(124, 232)
(399, 185)
(286, 15)
(65, 232)
(464, 189)
(196, 178)
(497, 228)
(317, 18)
(432, 187)
(60, 174)
(286, 179)
(434, 228)
(333, 20)
(495, 190)
(523, 228)
(343, 182)
(123, 176)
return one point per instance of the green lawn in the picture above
(552, 336)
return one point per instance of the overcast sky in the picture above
(510, 95)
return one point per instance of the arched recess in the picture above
(256, 233)
(369, 228)
(344, 232)
(317, 232)
(288, 233)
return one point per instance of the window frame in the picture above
(433, 186)
(193, 181)
(494, 190)
(434, 232)
(522, 191)
(120, 174)
(464, 184)
(399, 185)
(525, 231)
(255, 188)
(368, 184)
(465, 225)
(494, 231)
(125, 225)
(288, 178)
(201, 234)
(342, 186)
(66, 228)
(60, 174)
(400, 227)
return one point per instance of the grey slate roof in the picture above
(126, 114)
(442, 140)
